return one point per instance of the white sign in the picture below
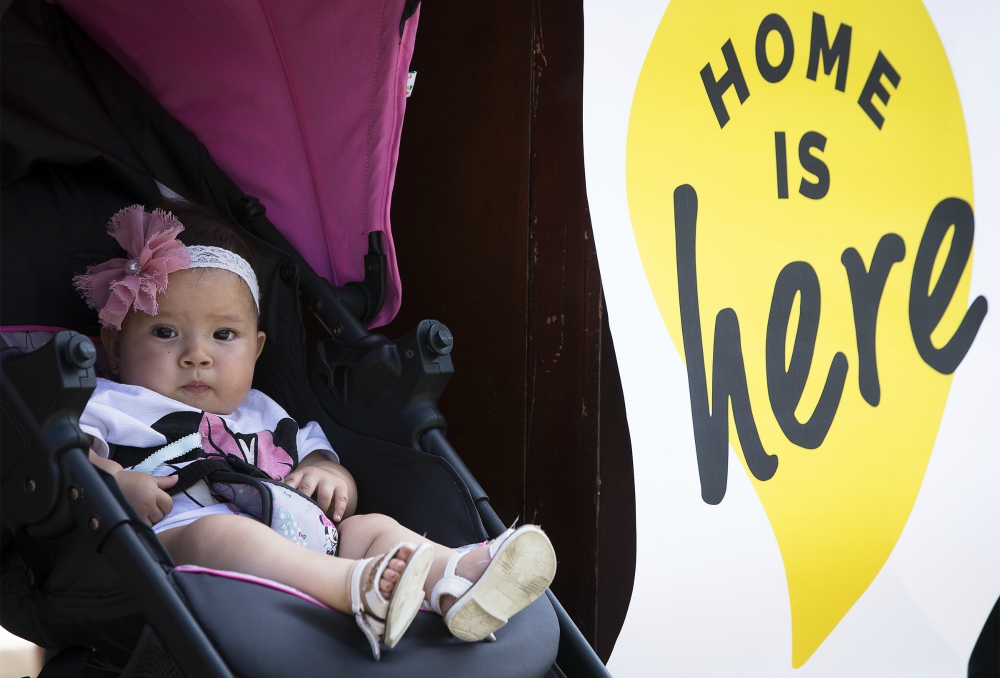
(796, 209)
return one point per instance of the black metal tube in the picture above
(576, 658)
(144, 577)
(434, 442)
(161, 604)
(337, 308)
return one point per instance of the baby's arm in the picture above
(329, 483)
(144, 492)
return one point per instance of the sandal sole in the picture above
(519, 573)
(408, 595)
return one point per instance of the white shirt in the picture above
(259, 430)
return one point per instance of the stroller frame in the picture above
(61, 490)
(76, 494)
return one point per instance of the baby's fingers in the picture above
(164, 502)
(301, 481)
(166, 482)
(153, 516)
(339, 503)
(306, 485)
(324, 494)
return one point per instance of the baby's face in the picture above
(199, 349)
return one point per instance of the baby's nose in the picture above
(196, 357)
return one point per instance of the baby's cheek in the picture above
(133, 370)
(241, 376)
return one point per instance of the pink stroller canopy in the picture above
(301, 102)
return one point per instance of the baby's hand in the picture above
(328, 483)
(146, 494)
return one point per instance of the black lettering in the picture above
(866, 295)
(784, 388)
(774, 22)
(874, 87)
(811, 163)
(729, 381)
(839, 51)
(927, 306)
(781, 161)
(733, 77)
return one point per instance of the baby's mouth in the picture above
(196, 387)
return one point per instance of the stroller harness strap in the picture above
(130, 457)
(170, 452)
(196, 471)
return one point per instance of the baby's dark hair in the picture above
(206, 227)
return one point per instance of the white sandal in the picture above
(522, 565)
(387, 620)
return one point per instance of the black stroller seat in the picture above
(81, 140)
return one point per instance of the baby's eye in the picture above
(224, 335)
(162, 332)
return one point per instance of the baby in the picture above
(184, 357)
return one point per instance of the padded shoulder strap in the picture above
(194, 472)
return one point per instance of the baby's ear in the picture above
(111, 338)
(260, 342)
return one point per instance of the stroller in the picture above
(81, 574)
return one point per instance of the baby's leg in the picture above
(491, 587)
(244, 545)
(362, 536)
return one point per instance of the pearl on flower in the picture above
(133, 268)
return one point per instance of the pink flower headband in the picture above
(149, 239)
(116, 285)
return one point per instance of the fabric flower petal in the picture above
(120, 297)
(95, 287)
(145, 300)
(155, 273)
(149, 238)
(128, 228)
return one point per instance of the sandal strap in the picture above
(449, 585)
(356, 606)
(495, 544)
(367, 603)
(373, 628)
(377, 604)
(452, 584)
(374, 631)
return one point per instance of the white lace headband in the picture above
(150, 239)
(203, 256)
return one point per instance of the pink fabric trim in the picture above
(239, 576)
(299, 101)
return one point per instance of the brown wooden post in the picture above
(493, 238)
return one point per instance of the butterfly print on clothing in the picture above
(275, 453)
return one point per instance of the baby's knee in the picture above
(191, 543)
(367, 521)
(185, 543)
